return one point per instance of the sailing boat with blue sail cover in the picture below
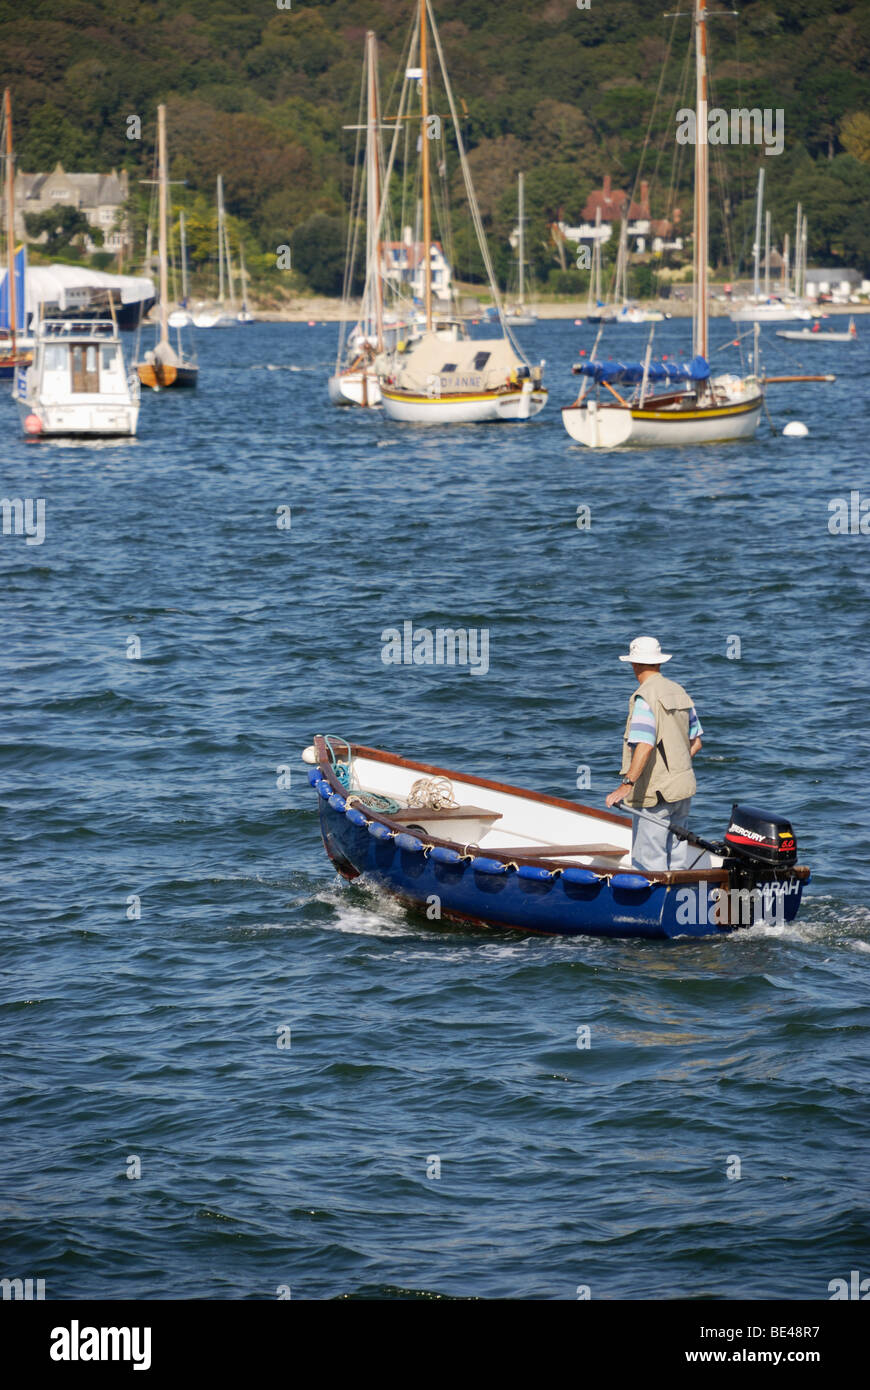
(695, 407)
(12, 349)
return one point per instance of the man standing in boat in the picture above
(662, 736)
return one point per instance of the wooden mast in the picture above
(373, 190)
(164, 279)
(10, 220)
(701, 180)
(427, 209)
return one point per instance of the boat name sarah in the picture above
(747, 127)
(446, 646)
(740, 906)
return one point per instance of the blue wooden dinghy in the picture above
(467, 849)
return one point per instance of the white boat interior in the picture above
(497, 821)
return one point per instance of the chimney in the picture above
(644, 198)
(607, 185)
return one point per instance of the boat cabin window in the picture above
(56, 357)
(85, 371)
(449, 367)
(480, 360)
(108, 357)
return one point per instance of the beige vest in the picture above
(669, 770)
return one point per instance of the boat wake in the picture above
(360, 912)
(825, 921)
(280, 367)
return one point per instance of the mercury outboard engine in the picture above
(759, 853)
(760, 837)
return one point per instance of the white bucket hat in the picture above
(645, 651)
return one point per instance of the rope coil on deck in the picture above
(432, 793)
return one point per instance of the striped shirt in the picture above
(643, 724)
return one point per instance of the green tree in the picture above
(855, 136)
(318, 249)
(63, 225)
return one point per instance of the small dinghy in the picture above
(466, 849)
(816, 335)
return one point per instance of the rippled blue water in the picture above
(156, 1036)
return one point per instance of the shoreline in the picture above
(319, 311)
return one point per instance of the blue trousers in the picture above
(653, 847)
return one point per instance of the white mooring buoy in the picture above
(796, 429)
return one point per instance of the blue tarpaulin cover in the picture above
(696, 370)
(20, 269)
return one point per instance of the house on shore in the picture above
(645, 232)
(100, 197)
(837, 282)
(404, 264)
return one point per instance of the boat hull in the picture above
(160, 376)
(553, 906)
(10, 366)
(609, 427)
(447, 880)
(354, 388)
(768, 313)
(80, 421)
(463, 409)
(806, 335)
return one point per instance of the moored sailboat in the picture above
(14, 352)
(707, 409)
(220, 314)
(355, 381)
(517, 315)
(620, 310)
(165, 366)
(764, 306)
(446, 377)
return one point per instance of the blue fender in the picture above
(635, 881)
(409, 842)
(482, 865)
(574, 874)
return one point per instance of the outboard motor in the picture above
(760, 851)
(761, 836)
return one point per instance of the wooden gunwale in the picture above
(715, 877)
